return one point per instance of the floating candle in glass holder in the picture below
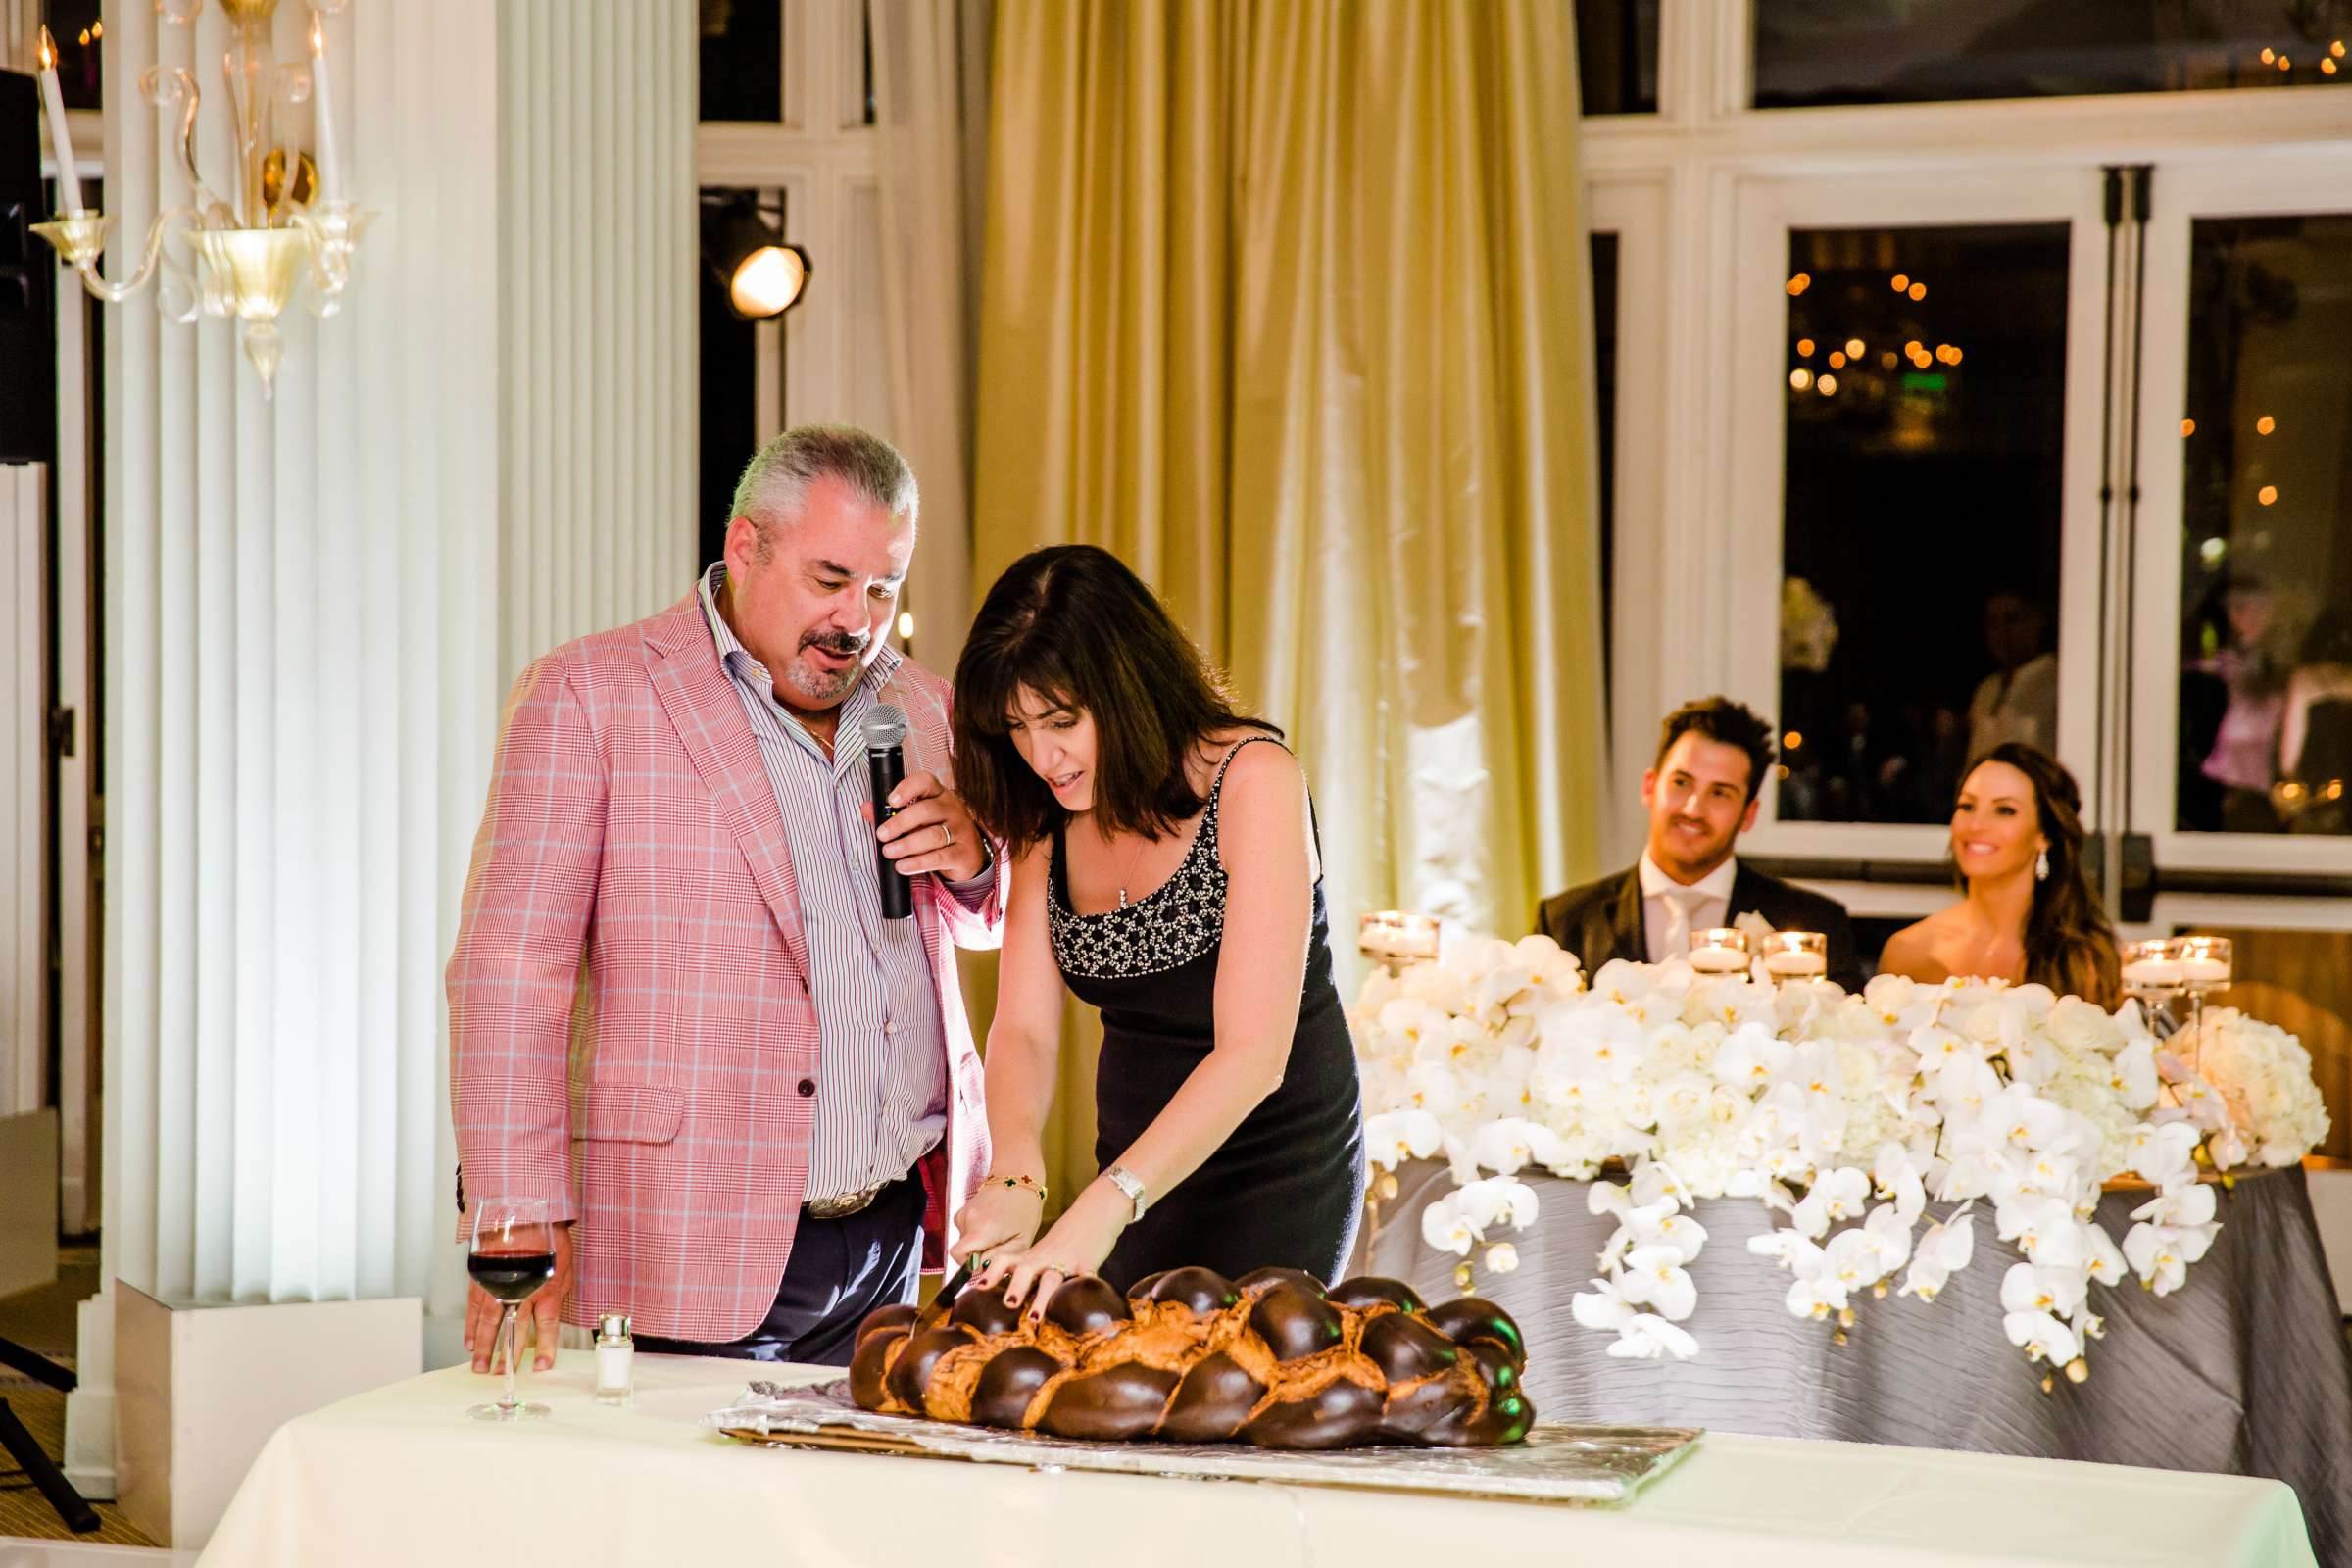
(1719, 950)
(2204, 962)
(1797, 955)
(1396, 938)
(2152, 968)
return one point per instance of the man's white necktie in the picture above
(1679, 902)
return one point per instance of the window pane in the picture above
(1935, 51)
(1926, 387)
(743, 60)
(2266, 671)
(75, 27)
(1617, 56)
(730, 361)
(1604, 412)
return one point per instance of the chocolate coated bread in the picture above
(1190, 1356)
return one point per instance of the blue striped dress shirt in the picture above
(882, 1077)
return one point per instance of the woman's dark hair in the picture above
(2070, 947)
(1071, 625)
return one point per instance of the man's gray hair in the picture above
(775, 483)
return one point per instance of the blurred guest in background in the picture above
(2019, 699)
(2030, 914)
(2315, 733)
(1702, 793)
(2242, 759)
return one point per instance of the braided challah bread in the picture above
(1189, 1356)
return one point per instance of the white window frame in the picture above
(2292, 182)
(1769, 207)
(1708, 561)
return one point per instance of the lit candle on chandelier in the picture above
(69, 184)
(322, 110)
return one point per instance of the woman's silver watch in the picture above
(1128, 1182)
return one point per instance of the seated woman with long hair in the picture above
(2030, 914)
(1164, 869)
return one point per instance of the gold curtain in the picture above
(1286, 301)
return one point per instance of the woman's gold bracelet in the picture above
(1030, 1182)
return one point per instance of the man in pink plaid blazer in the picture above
(676, 1012)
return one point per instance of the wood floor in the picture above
(42, 1320)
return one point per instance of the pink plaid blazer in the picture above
(656, 1097)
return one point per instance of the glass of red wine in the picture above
(514, 1253)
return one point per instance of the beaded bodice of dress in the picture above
(1168, 928)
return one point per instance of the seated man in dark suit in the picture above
(1702, 795)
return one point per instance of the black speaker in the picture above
(27, 273)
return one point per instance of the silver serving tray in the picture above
(1559, 1462)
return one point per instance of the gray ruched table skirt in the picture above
(2244, 1370)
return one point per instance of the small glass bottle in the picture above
(613, 1348)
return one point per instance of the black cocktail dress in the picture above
(1288, 1187)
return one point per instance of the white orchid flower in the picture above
(1397, 1136)
(1750, 1056)
(2107, 1263)
(1647, 1337)
(2041, 1337)
(1817, 1293)
(1506, 1146)
(1680, 1232)
(2055, 1291)
(2132, 1074)
(2024, 1119)
(1941, 1252)
(1896, 1176)
(1445, 1228)
(1498, 1201)
(2159, 1255)
(1654, 1276)
(1434, 1088)
(2044, 1229)
(1889, 1229)
(1603, 1306)
(2183, 1201)
(1836, 1195)
(1855, 1259)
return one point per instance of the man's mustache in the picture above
(839, 643)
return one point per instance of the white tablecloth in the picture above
(399, 1476)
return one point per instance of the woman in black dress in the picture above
(1164, 869)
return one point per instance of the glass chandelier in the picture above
(286, 216)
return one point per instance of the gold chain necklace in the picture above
(1133, 855)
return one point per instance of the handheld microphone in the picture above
(885, 735)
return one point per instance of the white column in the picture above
(313, 607)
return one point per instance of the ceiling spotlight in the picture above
(744, 246)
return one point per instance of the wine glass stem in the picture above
(509, 1330)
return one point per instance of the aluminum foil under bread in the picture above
(1559, 1463)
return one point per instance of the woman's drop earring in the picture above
(2041, 866)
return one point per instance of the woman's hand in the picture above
(998, 1220)
(1077, 1245)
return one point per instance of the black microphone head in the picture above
(885, 727)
